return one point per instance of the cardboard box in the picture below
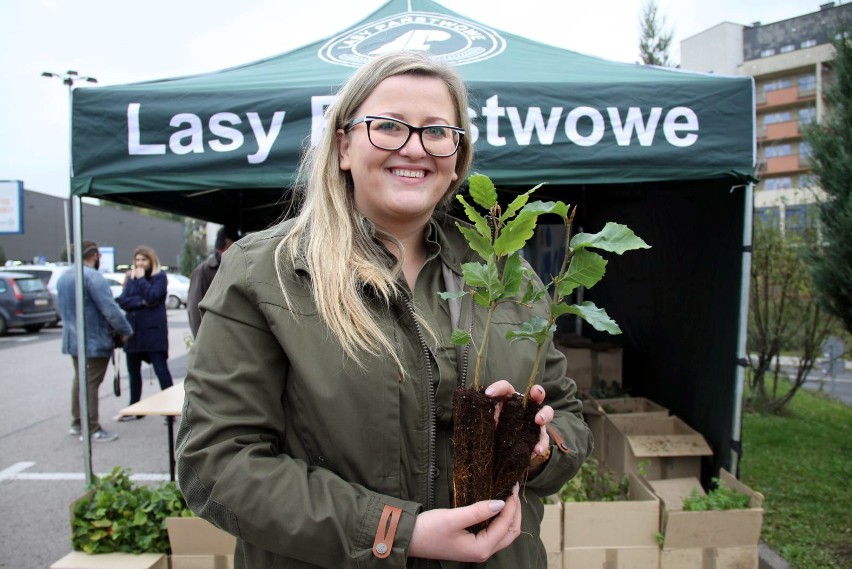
(594, 411)
(666, 446)
(551, 526)
(198, 544)
(632, 523)
(80, 560)
(590, 362)
(616, 558)
(716, 539)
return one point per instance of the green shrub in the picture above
(121, 517)
(593, 483)
(719, 498)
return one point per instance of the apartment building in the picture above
(788, 61)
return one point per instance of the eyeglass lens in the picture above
(389, 134)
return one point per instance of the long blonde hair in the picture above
(338, 243)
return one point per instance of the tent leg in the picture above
(82, 367)
(745, 286)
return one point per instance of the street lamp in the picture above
(69, 78)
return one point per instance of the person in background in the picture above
(103, 318)
(203, 275)
(318, 416)
(144, 301)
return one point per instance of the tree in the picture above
(654, 41)
(831, 160)
(782, 315)
(194, 245)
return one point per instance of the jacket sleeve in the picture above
(101, 295)
(570, 438)
(233, 467)
(197, 288)
(142, 293)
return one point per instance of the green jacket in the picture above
(294, 449)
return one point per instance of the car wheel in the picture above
(33, 328)
(172, 302)
(3, 327)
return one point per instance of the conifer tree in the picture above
(831, 159)
(654, 40)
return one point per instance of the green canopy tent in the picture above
(667, 152)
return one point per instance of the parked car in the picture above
(24, 302)
(178, 288)
(48, 273)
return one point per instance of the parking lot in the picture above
(41, 469)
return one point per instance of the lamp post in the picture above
(70, 78)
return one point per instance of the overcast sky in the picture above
(118, 41)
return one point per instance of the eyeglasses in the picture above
(439, 140)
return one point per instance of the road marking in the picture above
(15, 472)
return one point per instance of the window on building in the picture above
(768, 216)
(808, 43)
(778, 150)
(767, 52)
(808, 181)
(807, 84)
(787, 48)
(782, 183)
(776, 84)
(807, 115)
(805, 150)
(774, 118)
(796, 217)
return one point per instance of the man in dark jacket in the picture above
(203, 275)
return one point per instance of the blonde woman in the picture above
(318, 407)
(144, 301)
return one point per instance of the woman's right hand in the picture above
(442, 533)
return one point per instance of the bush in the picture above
(121, 517)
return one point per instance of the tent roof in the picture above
(224, 146)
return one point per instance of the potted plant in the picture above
(118, 516)
(489, 459)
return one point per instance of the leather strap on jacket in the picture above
(557, 438)
(386, 531)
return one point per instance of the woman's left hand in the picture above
(541, 453)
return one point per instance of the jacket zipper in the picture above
(430, 494)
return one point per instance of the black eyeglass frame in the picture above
(411, 128)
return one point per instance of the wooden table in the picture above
(167, 403)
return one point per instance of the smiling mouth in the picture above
(408, 173)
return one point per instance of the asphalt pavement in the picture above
(41, 465)
(41, 469)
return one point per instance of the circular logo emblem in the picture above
(446, 38)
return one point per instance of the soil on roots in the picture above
(473, 446)
(490, 456)
(514, 441)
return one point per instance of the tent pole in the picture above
(745, 286)
(80, 309)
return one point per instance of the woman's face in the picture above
(400, 187)
(142, 262)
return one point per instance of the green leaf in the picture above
(513, 276)
(516, 204)
(596, 317)
(536, 329)
(516, 233)
(477, 242)
(460, 337)
(479, 275)
(586, 268)
(478, 220)
(533, 292)
(614, 237)
(452, 295)
(482, 191)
